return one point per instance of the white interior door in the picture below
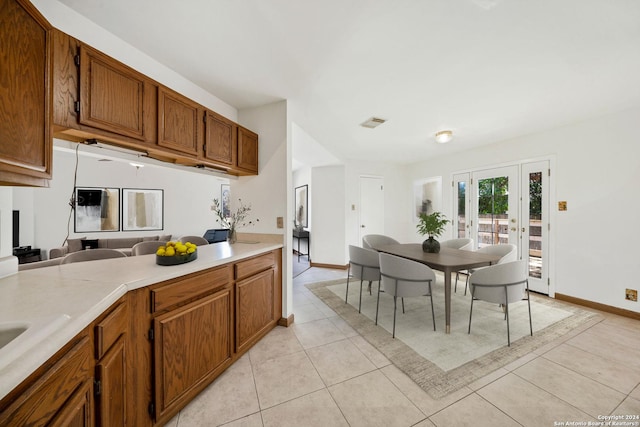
(461, 202)
(371, 206)
(494, 206)
(534, 223)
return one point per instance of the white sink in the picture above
(17, 337)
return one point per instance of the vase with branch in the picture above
(234, 219)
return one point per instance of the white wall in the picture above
(397, 199)
(270, 191)
(188, 196)
(328, 240)
(596, 172)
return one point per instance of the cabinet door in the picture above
(49, 394)
(111, 95)
(112, 397)
(220, 139)
(78, 411)
(25, 95)
(255, 308)
(191, 345)
(247, 150)
(178, 124)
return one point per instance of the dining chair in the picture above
(364, 264)
(506, 251)
(501, 284)
(373, 241)
(464, 244)
(196, 240)
(92, 255)
(146, 248)
(401, 277)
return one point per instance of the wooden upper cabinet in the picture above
(111, 95)
(220, 139)
(178, 124)
(247, 151)
(25, 95)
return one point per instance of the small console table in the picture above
(301, 235)
(26, 254)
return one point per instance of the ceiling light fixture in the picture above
(372, 122)
(444, 136)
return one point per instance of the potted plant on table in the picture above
(432, 225)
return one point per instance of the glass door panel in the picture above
(461, 205)
(495, 206)
(534, 231)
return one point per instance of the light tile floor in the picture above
(320, 372)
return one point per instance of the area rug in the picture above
(444, 363)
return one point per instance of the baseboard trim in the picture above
(286, 321)
(598, 306)
(334, 266)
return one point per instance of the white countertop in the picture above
(85, 290)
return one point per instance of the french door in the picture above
(507, 205)
(534, 224)
(494, 205)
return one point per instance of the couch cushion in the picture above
(150, 238)
(119, 242)
(165, 237)
(75, 245)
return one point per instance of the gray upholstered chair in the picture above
(196, 240)
(402, 278)
(507, 252)
(92, 255)
(501, 284)
(462, 244)
(364, 265)
(146, 248)
(373, 241)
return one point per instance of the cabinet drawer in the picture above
(254, 265)
(169, 295)
(110, 328)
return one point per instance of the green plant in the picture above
(433, 224)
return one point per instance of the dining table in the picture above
(448, 261)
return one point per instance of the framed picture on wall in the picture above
(427, 196)
(301, 213)
(142, 209)
(97, 209)
(225, 200)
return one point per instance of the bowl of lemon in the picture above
(174, 253)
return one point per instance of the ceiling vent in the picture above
(373, 122)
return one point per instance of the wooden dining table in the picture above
(447, 260)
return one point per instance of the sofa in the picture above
(123, 244)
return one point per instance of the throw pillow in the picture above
(165, 237)
(150, 238)
(75, 245)
(89, 244)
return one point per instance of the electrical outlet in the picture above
(280, 222)
(631, 295)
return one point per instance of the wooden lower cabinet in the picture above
(111, 394)
(255, 308)
(150, 353)
(192, 345)
(59, 393)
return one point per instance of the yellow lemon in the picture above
(191, 250)
(160, 251)
(170, 251)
